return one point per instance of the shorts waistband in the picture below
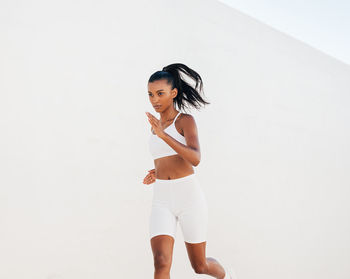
(175, 180)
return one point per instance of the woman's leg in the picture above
(162, 238)
(192, 206)
(202, 264)
(162, 248)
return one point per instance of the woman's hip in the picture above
(184, 191)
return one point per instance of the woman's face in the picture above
(160, 94)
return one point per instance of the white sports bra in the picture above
(159, 148)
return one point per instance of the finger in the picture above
(153, 117)
(150, 116)
(155, 123)
(151, 122)
(155, 120)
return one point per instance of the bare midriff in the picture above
(172, 167)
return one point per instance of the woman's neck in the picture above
(168, 115)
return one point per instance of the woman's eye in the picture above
(159, 93)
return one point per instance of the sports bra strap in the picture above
(176, 117)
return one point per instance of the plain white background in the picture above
(323, 24)
(73, 145)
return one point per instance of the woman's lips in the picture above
(156, 106)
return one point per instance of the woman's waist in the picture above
(172, 168)
(176, 179)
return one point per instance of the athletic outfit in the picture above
(180, 199)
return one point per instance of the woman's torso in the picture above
(172, 166)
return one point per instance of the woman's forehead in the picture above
(159, 84)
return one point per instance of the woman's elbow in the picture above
(196, 163)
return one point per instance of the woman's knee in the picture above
(200, 267)
(162, 261)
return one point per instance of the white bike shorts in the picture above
(183, 200)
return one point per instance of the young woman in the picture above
(177, 194)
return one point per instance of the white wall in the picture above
(73, 145)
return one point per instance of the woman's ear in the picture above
(174, 92)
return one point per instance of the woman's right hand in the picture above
(150, 177)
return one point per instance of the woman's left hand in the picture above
(156, 125)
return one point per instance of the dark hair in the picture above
(186, 94)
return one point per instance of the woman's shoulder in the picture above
(185, 118)
(187, 123)
(185, 115)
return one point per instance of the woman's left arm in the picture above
(191, 152)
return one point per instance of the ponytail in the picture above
(186, 94)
